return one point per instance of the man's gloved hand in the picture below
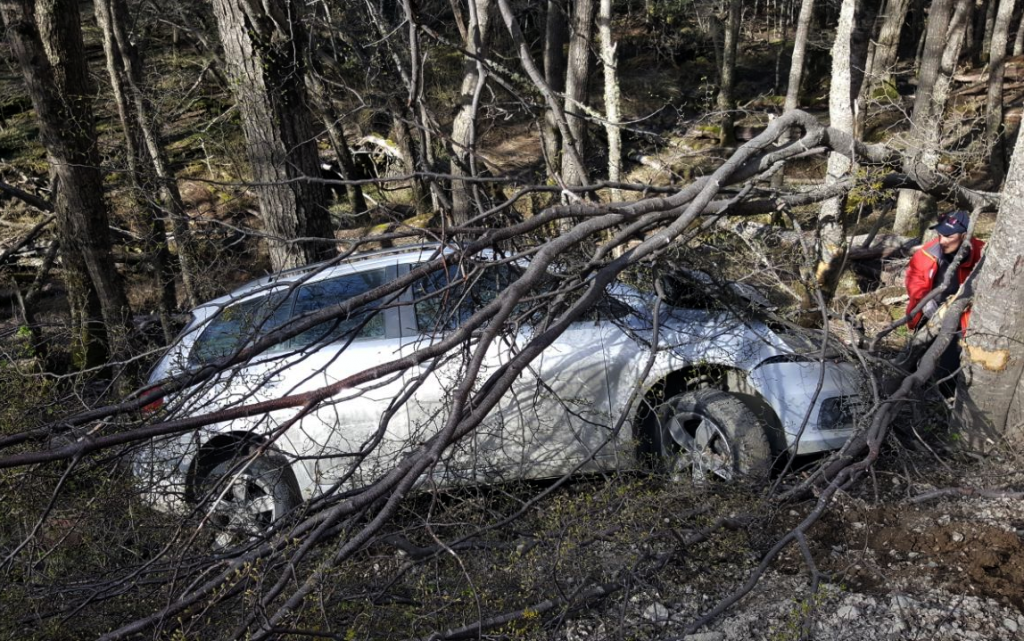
(930, 308)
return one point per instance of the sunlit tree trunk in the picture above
(463, 163)
(947, 22)
(796, 69)
(990, 405)
(831, 227)
(611, 93)
(727, 73)
(886, 51)
(994, 108)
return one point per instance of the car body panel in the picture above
(572, 406)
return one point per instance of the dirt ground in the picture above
(901, 560)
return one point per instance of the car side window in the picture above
(367, 322)
(443, 301)
(236, 325)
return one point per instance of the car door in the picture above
(441, 302)
(361, 431)
(565, 402)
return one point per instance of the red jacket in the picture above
(921, 274)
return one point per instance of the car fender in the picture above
(796, 391)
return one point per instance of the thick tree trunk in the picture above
(831, 221)
(990, 405)
(866, 25)
(886, 51)
(727, 74)
(46, 38)
(796, 69)
(264, 44)
(611, 93)
(577, 80)
(556, 36)
(463, 163)
(402, 133)
(994, 107)
(942, 44)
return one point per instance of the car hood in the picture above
(702, 335)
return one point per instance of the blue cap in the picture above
(955, 222)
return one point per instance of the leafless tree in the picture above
(994, 107)
(264, 47)
(947, 23)
(47, 40)
(293, 561)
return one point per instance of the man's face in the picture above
(950, 243)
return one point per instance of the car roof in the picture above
(329, 268)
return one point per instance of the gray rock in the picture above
(657, 613)
(902, 602)
(848, 612)
(1010, 625)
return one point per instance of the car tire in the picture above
(707, 435)
(245, 498)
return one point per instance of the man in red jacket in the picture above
(926, 271)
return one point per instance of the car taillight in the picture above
(156, 403)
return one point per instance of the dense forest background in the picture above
(155, 155)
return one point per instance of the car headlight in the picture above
(839, 412)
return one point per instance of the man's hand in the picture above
(930, 308)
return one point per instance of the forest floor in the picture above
(902, 559)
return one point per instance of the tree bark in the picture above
(796, 69)
(942, 44)
(886, 50)
(463, 162)
(46, 38)
(1018, 40)
(611, 93)
(577, 79)
(556, 36)
(831, 246)
(140, 171)
(264, 44)
(727, 74)
(985, 47)
(994, 107)
(989, 403)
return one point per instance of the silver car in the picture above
(712, 395)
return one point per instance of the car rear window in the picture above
(237, 324)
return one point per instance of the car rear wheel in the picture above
(245, 498)
(707, 435)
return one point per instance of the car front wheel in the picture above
(708, 435)
(246, 497)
